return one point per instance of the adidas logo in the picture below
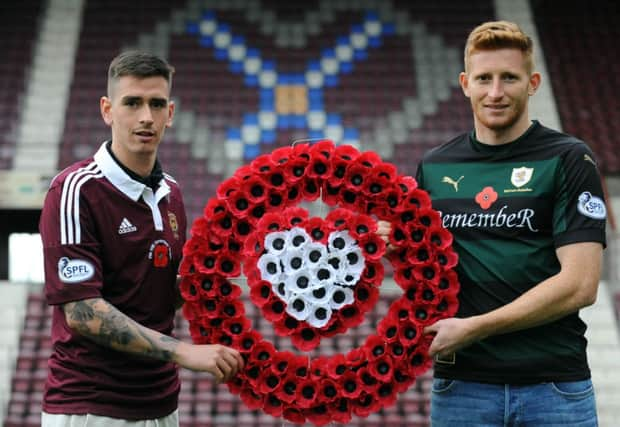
(126, 227)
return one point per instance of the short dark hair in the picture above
(138, 64)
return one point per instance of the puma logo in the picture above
(452, 182)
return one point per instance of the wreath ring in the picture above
(259, 201)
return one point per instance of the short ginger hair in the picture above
(500, 35)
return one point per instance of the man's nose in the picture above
(146, 115)
(497, 89)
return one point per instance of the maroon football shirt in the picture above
(107, 235)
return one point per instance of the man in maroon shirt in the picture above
(113, 229)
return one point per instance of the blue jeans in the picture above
(562, 404)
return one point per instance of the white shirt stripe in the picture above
(70, 232)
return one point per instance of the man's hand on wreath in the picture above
(383, 230)
(451, 335)
(220, 361)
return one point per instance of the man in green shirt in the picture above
(525, 206)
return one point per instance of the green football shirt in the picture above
(509, 208)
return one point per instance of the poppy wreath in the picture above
(315, 278)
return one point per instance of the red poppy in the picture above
(406, 184)
(346, 152)
(323, 149)
(228, 187)
(360, 225)
(268, 382)
(247, 340)
(275, 179)
(319, 415)
(280, 362)
(320, 165)
(294, 195)
(250, 399)
(240, 204)
(306, 393)
(273, 310)
(199, 334)
(305, 338)
(288, 390)
(382, 367)
(281, 155)
(330, 193)
(287, 326)
(368, 381)
(328, 390)
(339, 169)
(243, 173)
(372, 246)
(440, 237)
(388, 327)
(228, 265)
(336, 366)
(386, 394)
(419, 361)
(189, 288)
(254, 188)
(486, 197)
(448, 283)
(261, 165)
(272, 221)
(374, 347)
(365, 404)
(428, 272)
(295, 169)
(356, 357)
(293, 415)
(223, 227)
(408, 333)
(318, 229)
(373, 273)
(339, 219)
(311, 189)
(215, 210)
(341, 411)
(233, 306)
(447, 258)
(355, 177)
(366, 295)
(260, 294)
(447, 306)
(402, 380)
(350, 383)
(416, 198)
(369, 159)
(272, 405)
(295, 215)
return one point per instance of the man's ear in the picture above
(170, 114)
(534, 83)
(105, 106)
(464, 82)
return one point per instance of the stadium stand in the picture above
(580, 40)
(397, 95)
(399, 116)
(18, 29)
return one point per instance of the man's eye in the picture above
(158, 104)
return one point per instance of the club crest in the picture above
(521, 176)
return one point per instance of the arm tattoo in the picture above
(103, 323)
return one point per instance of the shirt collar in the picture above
(120, 179)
